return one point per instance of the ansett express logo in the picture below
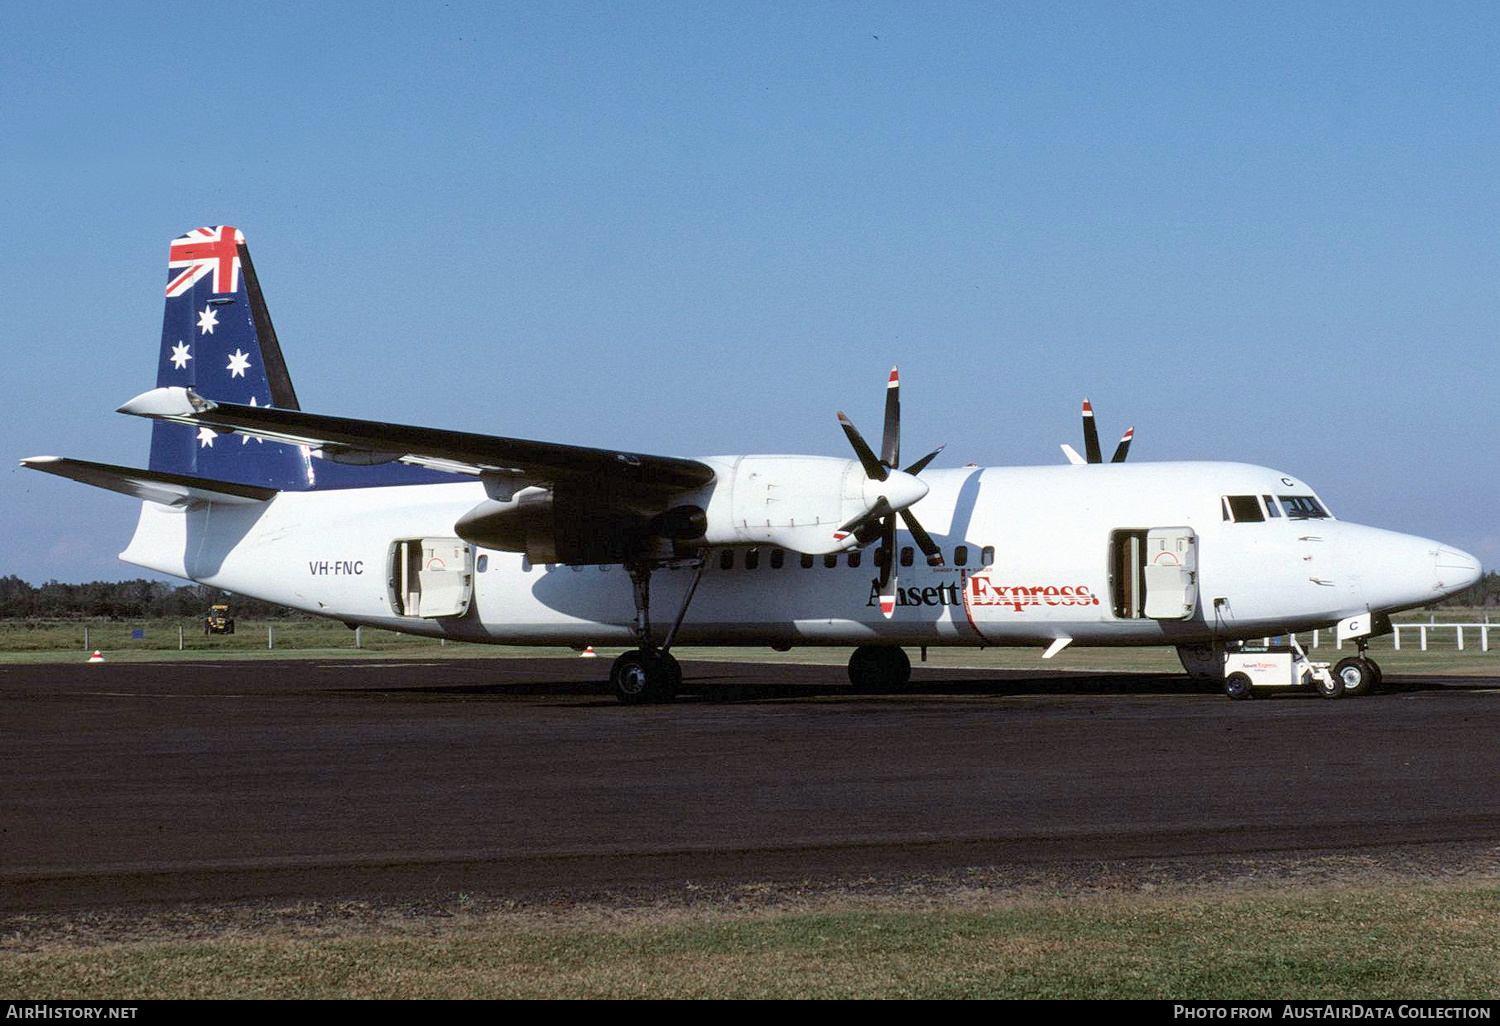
(932, 595)
(979, 590)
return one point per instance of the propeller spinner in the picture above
(890, 492)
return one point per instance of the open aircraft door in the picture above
(1171, 572)
(431, 577)
(1154, 573)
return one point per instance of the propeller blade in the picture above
(921, 464)
(888, 570)
(873, 467)
(1124, 446)
(923, 539)
(890, 441)
(1090, 435)
(868, 518)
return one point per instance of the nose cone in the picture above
(899, 488)
(1456, 570)
(1401, 571)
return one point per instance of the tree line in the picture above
(126, 600)
(145, 600)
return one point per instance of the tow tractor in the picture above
(1280, 663)
(218, 620)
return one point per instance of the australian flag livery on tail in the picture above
(217, 340)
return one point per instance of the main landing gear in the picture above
(874, 669)
(650, 673)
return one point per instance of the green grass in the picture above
(1352, 944)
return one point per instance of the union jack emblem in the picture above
(203, 250)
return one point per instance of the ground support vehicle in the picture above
(1282, 663)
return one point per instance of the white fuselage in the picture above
(1032, 555)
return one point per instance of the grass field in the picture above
(955, 939)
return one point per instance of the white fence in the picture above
(1432, 628)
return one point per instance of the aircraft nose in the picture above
(1401, 571)
(1456, 569)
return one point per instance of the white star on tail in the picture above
(180, 355)
(206, 438)
(238, 363)
(207, 320)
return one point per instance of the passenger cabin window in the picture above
(483, 563)
(752, 558)
(778, 557)
(906, 555)
(987, 556)
(1243, 509)
(854, 557)
(831, 560)
(1303, 507)
(807, 561)
(961, 556)
(726, 559)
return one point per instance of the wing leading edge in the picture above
(365, 442)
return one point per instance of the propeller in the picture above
(900, 490)
(1092, 453)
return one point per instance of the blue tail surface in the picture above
(217, 339)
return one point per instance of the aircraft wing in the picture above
(366, 442)
(151, 485)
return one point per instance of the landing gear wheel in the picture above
(1237, 686)
(671, 682)
(1377, 677)
(1355, 675)
(640, 677)
(1332, 687)
(875, 668)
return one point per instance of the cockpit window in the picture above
(1303, 507)
(1243, 509)
(1271, 507)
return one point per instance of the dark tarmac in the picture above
(249, 780)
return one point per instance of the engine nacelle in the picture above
(795, 502)
(576, 526)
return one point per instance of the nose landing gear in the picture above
(1361, 674)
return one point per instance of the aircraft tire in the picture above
(874, 669)
(1333, 688)
(638, 678)
(1355, 674)
(671, 682)
(1238, 687)
(1377, 676)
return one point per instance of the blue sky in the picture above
(1261, 232)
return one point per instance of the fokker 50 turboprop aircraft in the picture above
(502, 540)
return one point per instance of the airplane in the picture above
(503, 540)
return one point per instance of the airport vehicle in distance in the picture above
(494, 539)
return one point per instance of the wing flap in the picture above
(452, 451)
(151, 485)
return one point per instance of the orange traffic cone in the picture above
(588, 653)
(97, 657)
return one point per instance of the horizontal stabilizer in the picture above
(348, 441)
(151, 485)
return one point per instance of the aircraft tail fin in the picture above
(217, 338)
